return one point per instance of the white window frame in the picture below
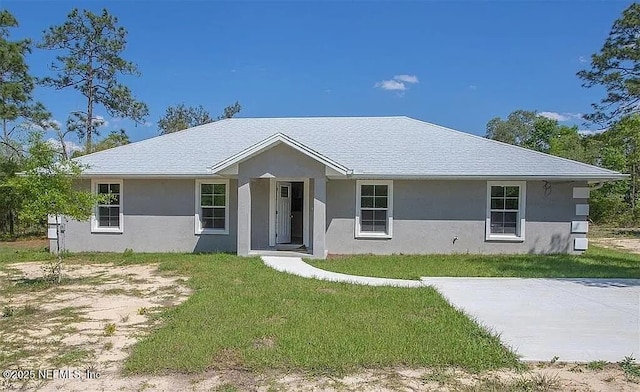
(358, 227)
(95, 228)
(520, 220)
(198, 223)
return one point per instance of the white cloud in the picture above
(553, 116)
(406, 78)
(54, 124)
(583, 59)
(589, 132)
(391, 85)
(100, 121)
(398, 83)
(68, 145)
(147, 124)
(45, 125)
(473, 87)
(566, 116)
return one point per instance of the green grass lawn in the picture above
(595, 263)
(245, 315)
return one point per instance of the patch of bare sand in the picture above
(628, 244)
(575, 378)
(72, 318)
(549, 377)
(31, 243)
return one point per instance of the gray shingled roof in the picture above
(373, 146)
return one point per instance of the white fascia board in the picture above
(271, 142)
(150, 175)
(335, 174)
(589, 178)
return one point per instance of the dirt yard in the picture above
(88, 324)
(627, 244)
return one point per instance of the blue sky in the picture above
(456, 64)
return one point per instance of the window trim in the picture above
(198, 229)
(95, 228)
(358, 232)
(521, 221)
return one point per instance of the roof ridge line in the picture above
(310, 117)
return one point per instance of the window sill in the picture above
(373, 236)
(113, 230)
(212, 232)
(504, 238)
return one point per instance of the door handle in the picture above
(291, 216)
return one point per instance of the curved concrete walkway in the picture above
(295, 266)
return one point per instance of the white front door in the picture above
(283, 213)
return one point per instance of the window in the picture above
(107, 216)
(374, 209)
(284, 191)
(505, 211)
(212, 207)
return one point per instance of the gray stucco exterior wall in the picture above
(428, 215)
(320, 217)
(281, 161)
(159, 216)
(260, 213)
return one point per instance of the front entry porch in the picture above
(279, 172)
(282, 216)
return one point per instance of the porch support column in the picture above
(244, 216)
(319, 216)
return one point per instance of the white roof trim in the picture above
(271, 142)
(145, 176)
(559, 177)
(336, 175)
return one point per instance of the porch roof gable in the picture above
(272, 141)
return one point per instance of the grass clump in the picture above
(441, 376)
(226, 387)
(109, 329)
(630, 368)
(534, 383)
(8, 311)
(72, 357)
(27, 310)
(596, 365)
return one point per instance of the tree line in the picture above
(616, 146)
(89, 61)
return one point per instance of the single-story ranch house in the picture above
(333, 185)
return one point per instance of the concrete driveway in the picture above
(574, 319)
